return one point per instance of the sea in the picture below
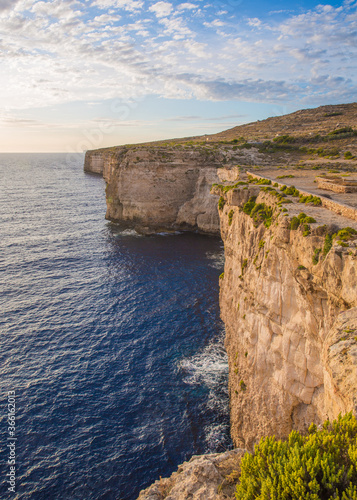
(112, 364)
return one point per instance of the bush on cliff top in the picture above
(319, 466)
(259, 212)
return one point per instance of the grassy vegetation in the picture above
(316, 256)
(260, 182)
(319, 466)
(314, 200)
(259, 212)
(327, 245)
(230, 217)
(301, 219)
(224, 189)
(242, 386)
(221, 203)
(284, 139)
(281, 197)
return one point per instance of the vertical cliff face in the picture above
(159, 188)
(290, 312)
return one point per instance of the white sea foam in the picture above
(209, 368)
(127, 232)
(216, 258)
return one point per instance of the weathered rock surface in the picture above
(291, 323)
(154, 189)
(202, 478)
(291, 332)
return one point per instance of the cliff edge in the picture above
(288, 299)
(153, 189)
(288, 294)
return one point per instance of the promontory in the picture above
(282, 194)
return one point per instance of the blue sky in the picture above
(82, 74)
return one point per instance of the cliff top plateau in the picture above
(311, 138)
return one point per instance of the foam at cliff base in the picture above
(209, 369)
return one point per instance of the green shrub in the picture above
(230, 217)
(309, 220)
(334, 113)
(327, 245)
(261, 243)
(273, 192)
(248, 207)
(348, 155)
(321, 465)
(294, 223)
(342, 130)
(284, 139)
(315, 200)
(315, 257)
(345, 234)
(262, 213)
(292, 191)
(221, 276)
(260, 182)
(221, 203)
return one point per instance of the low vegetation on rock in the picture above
(319, 466)
(259, 212)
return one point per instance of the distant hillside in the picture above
(301, 124)
(324, 137)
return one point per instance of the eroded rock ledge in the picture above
(205, 477)
(153, 189)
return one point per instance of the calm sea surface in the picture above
(112, 342)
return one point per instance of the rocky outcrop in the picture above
(288, 296)
(291, 318)
(159, 188)
(94, 162)
(205, 477)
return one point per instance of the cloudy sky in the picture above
(81, 74)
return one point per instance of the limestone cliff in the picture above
(159, 188)
(289, 303)
(288, 295)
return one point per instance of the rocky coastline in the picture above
(288, 294)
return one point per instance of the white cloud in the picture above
(161, 51)
(214, 24)
(254, 21)
(129, 5)
(187, 6)
(161, 9)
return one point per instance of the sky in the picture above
(84, 74)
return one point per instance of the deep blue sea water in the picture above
(112, 342)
